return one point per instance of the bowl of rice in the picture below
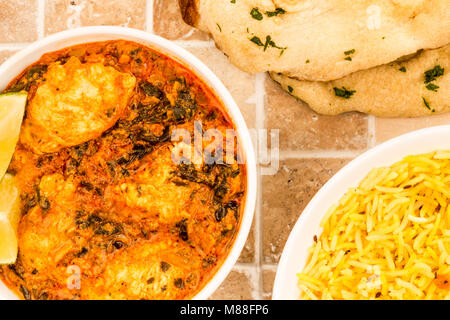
(379, 229)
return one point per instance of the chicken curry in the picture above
(106, 211)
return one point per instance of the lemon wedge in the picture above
(12, 108)
(9, 219)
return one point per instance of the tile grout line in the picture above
(271, 267)
(195, 43)
(259, 124)
(248, 267)
(259, 101)
(258, 237)
(13, 45)
(320, 154)
(149, 16)
(371, 131)
(40, 17)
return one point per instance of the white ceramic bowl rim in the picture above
(295, 254)
(18, 62)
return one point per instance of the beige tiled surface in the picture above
(240, 84)
(64, 14)
(169, 24)
(315, 132)
(248, 252)
(390, 128)
(312, 147)
(239, 285)
(299, 180)
(18, 20)
(5, 54)
(268, 277)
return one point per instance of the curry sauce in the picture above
(106, 211)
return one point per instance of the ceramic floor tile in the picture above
(68, 14)
(237, 286)
(299, 180)
(18, 20)
(387, 128)
(268, 277)
(5, 55)
(169, 24)
(303, 129)
(248, 252)
(239, 83)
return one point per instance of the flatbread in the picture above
(323, 39)
(396, 89)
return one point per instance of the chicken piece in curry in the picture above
(106, 211)
(76, 103)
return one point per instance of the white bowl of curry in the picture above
(112, 208)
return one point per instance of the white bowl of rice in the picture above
(379, 229)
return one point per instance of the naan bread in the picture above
(319, 35)
(396, 89)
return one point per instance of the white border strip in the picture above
(320, 154)
(14, 46)
(40, 18)
(149, 6)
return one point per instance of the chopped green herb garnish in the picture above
(402, 69)
(290, 89)
(276, 12)
(233, 1)
(427, 105)
(272, 44)
(349, 52)
(432, 87)
(268, 39)
(343, 93)
(307, 61)
(257, 41)
(434, 73)
(218, 26)
(268, 43)
(256, 14)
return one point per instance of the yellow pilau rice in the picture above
(389, 238)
